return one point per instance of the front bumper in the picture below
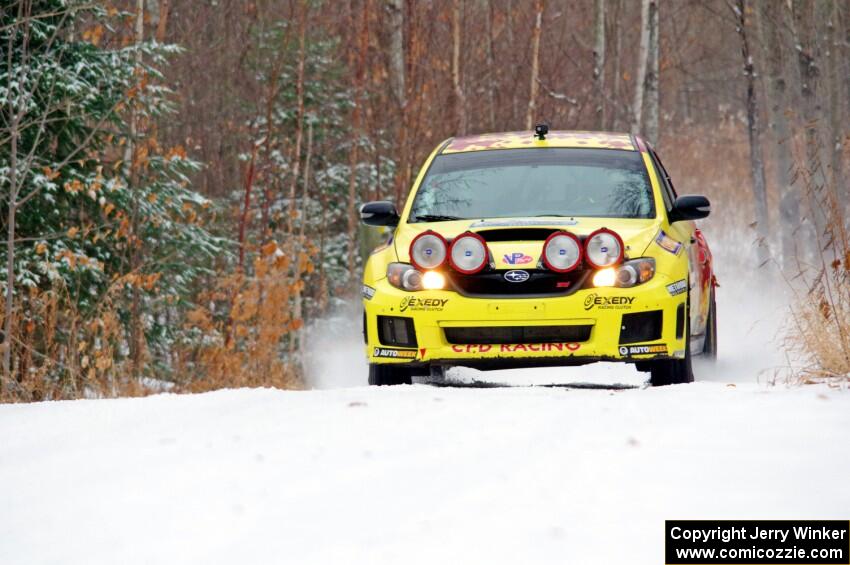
(437, 315)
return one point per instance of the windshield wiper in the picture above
(436, 218)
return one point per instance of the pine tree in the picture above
(67, 208)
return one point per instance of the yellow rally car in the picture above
(548, 248)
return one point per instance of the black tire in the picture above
(675, 371)
(709, 348)
(388, 375)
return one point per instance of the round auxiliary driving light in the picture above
(428, 250)
(562, 252)
(468, 253)
(603, 248)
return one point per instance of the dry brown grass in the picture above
(242, 336)
(819, 331)
(60, 352)
(247, 322)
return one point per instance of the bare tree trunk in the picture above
(457, 82)
(299, 127)
(491, 65)
(509, 25)
(407, 138)
(836, 95)
(395, 18)
(357, 61)
(398, 83)
(652, 76)
(778, 109)
(11, 219)
(756, 158)
(161, 25)
(246, 206)
(599, 62)
(297, 313)
(805, 44)
(530, 116)
(640, 79)
(618, 43)
(137, 334)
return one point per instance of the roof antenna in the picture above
(540, 130)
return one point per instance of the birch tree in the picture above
(395, 22)
(739, 9)
(492, 85)
(357, 64)
(652, 78)
(530, 115)
(642, 61)
(837, 127)
(599, 61)
(457, 78)
(802, 25)
(780, 69)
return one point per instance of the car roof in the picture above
(526, 140)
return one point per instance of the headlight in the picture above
(407, 277)
(630, 273)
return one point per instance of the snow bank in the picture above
(411, 474)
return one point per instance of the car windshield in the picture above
(605, 183)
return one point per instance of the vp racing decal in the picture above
(422, 304)
(608, 302)
(517, 258)
(667, 243)
(629, 350)
(677, 287)
(394, 353)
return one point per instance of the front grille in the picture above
(641, 326)
(518, 334)
(540, 283)
(397, 331)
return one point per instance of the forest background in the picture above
(180, 180)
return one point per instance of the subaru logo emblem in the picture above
(517, 276)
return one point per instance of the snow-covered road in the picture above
(411, 474)
(419, 474)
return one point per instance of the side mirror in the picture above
(382, 213)
(690, 208)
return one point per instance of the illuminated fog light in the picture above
(432, 280)
(605, 277)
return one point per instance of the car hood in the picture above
(523, 249)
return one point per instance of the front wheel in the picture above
(387, 375)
